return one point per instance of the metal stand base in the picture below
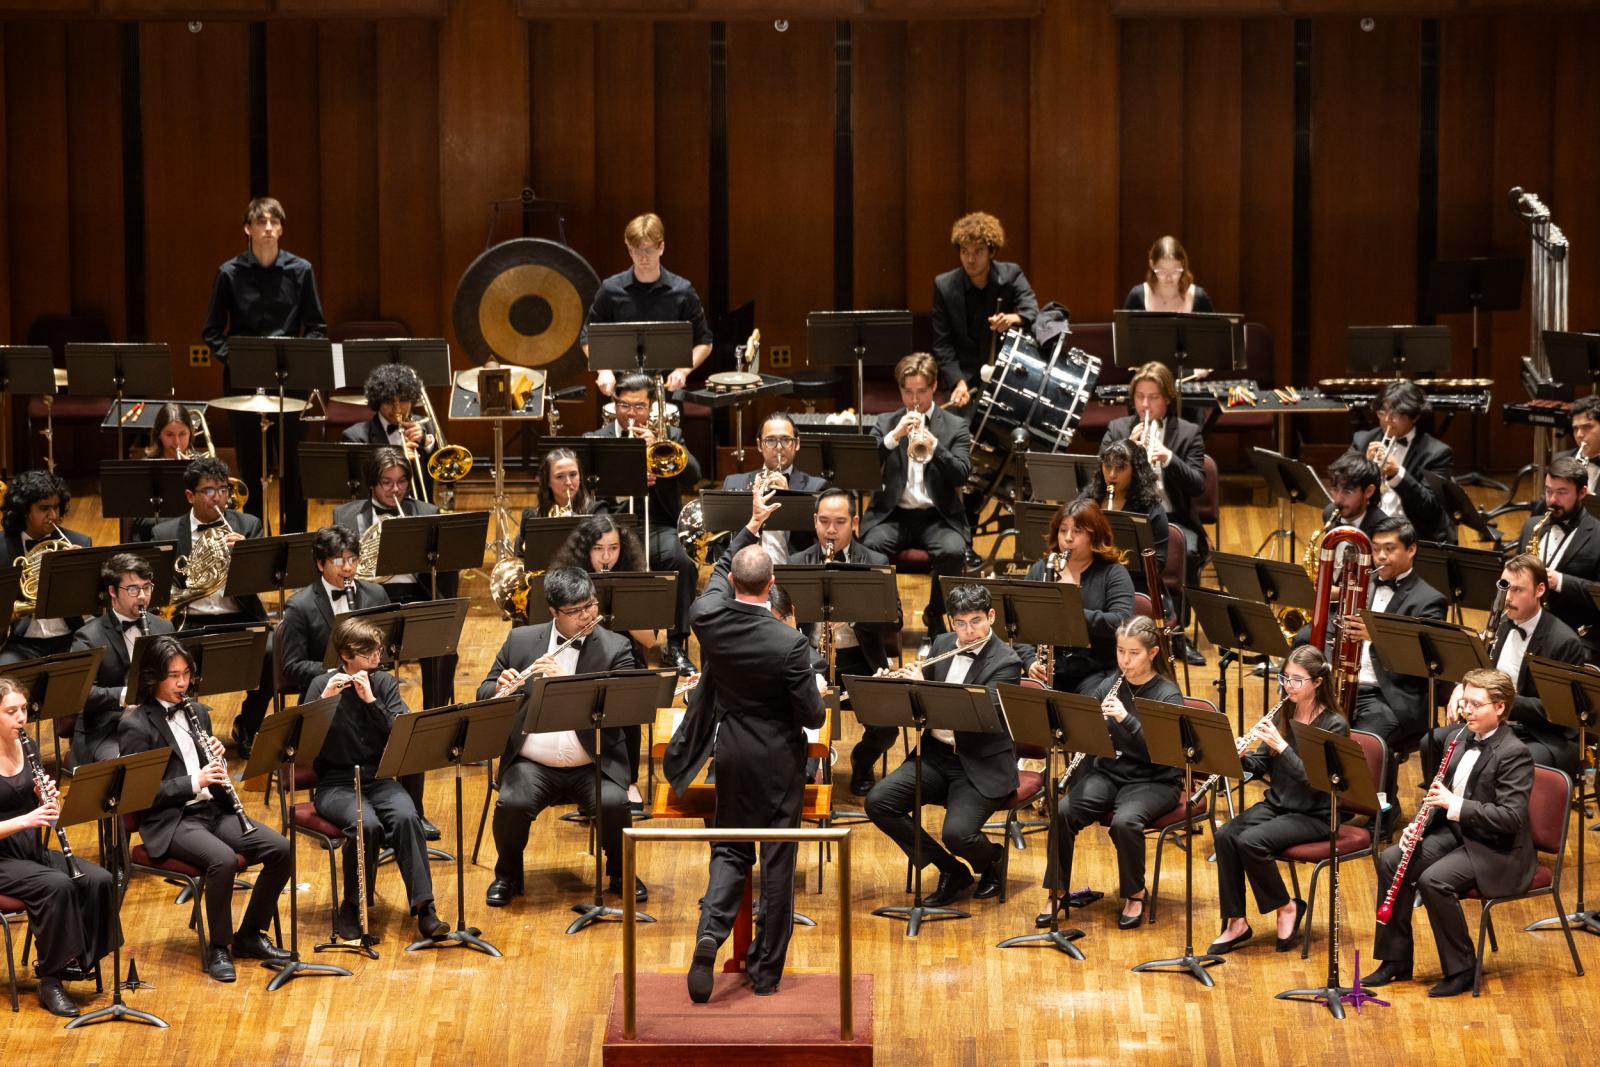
(1062, 940)
(1330, 997)
(593, 913)
(1579, 920)
(114, 1012)
(916, 914)
(362, 946)
(468, 938)
(300, 968)
(1195, 965)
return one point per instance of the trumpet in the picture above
(919, 441)
(1386, 448)
(1146, 424)
(505, 688)
(203, 739)
(47, 789)
(1248, 738)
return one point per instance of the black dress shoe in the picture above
(994, 876)
(764, 990)
(1132, 922)
(1222, 948)
(1453, 985)
(861, 779)
(429, 925)
(243, 739)
(951, 885)
(1042, 920)
(430, 832)
(1389, 971)
(1192, 656)
(501, 890)
(347, 923)
(256, 945)
(54, 999)
(701, 978)
(1293, 940)
(219, 964)
(675, 657)
(641, 892)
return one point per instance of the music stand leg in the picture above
(1057, 938)
(463, 935)
(116, 1010)
(50, 433)
(294, 966)
(1331, 995)
(918, 912)
(1194, 965)
(598, 911)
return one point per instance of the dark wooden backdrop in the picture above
(1089, 134)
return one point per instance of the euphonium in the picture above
(665, 458)
(1343, 652)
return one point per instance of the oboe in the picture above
(203, 740)
(1413, 833)
(47, 789)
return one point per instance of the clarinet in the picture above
(47, 788)
(1418, 824)
(203, 739)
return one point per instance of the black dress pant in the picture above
(1132, 806)
(71, 918)
(18, 649)
(527, 788)
(875, 740)
(254, 707)
(944, 781)
(1442, 871)
(927, 529)
(208, 836)
(730, 866)
(1246, 847)
(246, 429)
(667, 554)
(389, 817)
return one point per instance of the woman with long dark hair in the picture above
(1079, 551)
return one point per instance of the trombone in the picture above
(448, 464)
(238, 492)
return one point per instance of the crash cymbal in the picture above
(259, 404)
(523, 302)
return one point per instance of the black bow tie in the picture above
(1473, 740)
(212, 525)
(1388, 583)
(379, 509)
(126, 626)
(1519, 631)
(338, 594)
(390, 429)
(1402, 442)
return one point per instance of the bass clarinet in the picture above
(47, 789)
(1415, 830)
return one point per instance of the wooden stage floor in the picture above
(946, 997)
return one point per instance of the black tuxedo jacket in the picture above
(1185, 477)
(959, 353)
(306, 627)
(946, 472)
(666, 496)
(1406, 696)
(177, 529)
(103, 707)
(1580, 570)
(869, 635)
(990, 760)
(1494, 824)
(1426, 454)
(371, 433)
(143, 729)
(357, 515)
(1552, 639)
(1369, 521)
(800, 482)
(11, 548)
(601, 651)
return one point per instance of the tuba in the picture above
(1354, 577)
(204, 569)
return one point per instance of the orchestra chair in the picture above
(175, 870)
(1207, 506)
(1030, 785)
(1179, 825)
(1547, 817)
(13, 910)
(1173, 578)
(1353, 842)
(320, 832)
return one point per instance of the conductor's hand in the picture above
(960, 395)
(607, 381)
(762, 505)
(1036, 672)
(1112, 708)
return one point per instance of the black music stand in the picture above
(1272, 582)
(142, 488)
(542, 537)
(227, 659)
(631, 600)
(1423, 648)
(1461, 509)
(1573, 357)
(723, 509)
(69, 582)
(1064, 722)
(1030, 527)
(286, 736)
(845, 461)
(1059, 476)
(279, 366)
(921, 706)
(640, 346)
(1468, 577)
(1403, 351)
(1184, 341)
(596, 702)
(110, 789)
(28, 370)
(1289, 482)
(260, 564)
(57, 686)
(1338, 766)
(1194, 740)
(419, 630)
(428, 356)
(1571, 697)
(446, 541)
(116, 370)
(1130, 532)
(1480, 283)
(824, 593)
(1238, 627)
(854, 339)
(334, 470)
(10, 593)
(1032, 613)
(612, 467)
(449, 737)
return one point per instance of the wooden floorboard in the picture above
(947, 997)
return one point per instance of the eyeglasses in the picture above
(344, 561)
(578, 610)
(623, 405)
(1168, 273)
(1477, 705)
(142, 589)
(645, 251)
(212, 491)
(394, 483)
(1293, 681)
(779, 442)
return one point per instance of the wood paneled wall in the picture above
(1088, 134)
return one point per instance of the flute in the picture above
(522, 676)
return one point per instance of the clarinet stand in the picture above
(1055, 722)
(1338, 766)
(1196, 741)
(1570, 695)
(449, 737)
(595, 703)
(921, 706)
(110, 789)
(291, 735)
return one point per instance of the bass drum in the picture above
(1029, 401)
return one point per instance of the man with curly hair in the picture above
(35, 504)
(393, 389)
(982, 297)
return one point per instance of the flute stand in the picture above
(1338, 766)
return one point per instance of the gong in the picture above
(524, 302)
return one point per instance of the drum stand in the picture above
(50, 433)
(267, 477)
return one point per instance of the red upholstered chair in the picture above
(1547, 818)
(1207, 506)
(1353, 841)
(1180, 824)
(190, 877)
(13, 910)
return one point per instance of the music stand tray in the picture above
(334, 470)
(640, 346)
(1398, 350)
(57, 685)
(1462, 511)
(28, 370)
(1573, 357)
(427, 544)
(729, 509)
(1289, 479)
(69, 581)
(142, 488)
(1268, 581)
(845, 460)
(1468, 577)
(1032, 613)
(10, 593)
(1131, 533)
(117, 368)
(1423, 648)
(1032, 522)
(611, 466)
(857, 338)
(419, 630)
(428, 356)
(296, 364)
(260, 564)
(1059, 476)
(1184, 341)
(226, 660)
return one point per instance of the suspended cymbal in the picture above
(524, 302)
(259, 404)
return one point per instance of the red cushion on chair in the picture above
(142, 858)
(11, 904)
(1351, 839)
(912, 559)
(304, 778)
(1177, 814)
(1029, 783)
(306, 818)
(1541, 880)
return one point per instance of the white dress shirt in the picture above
(1381, 595)
(341, 603)
(188, 747)
(1389, 500)
(1552, 544)
(959, 666)
(1463, 774)
(1515, 647)
(559, 749)
(915, 496)
(216, 603)
(130, 637)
